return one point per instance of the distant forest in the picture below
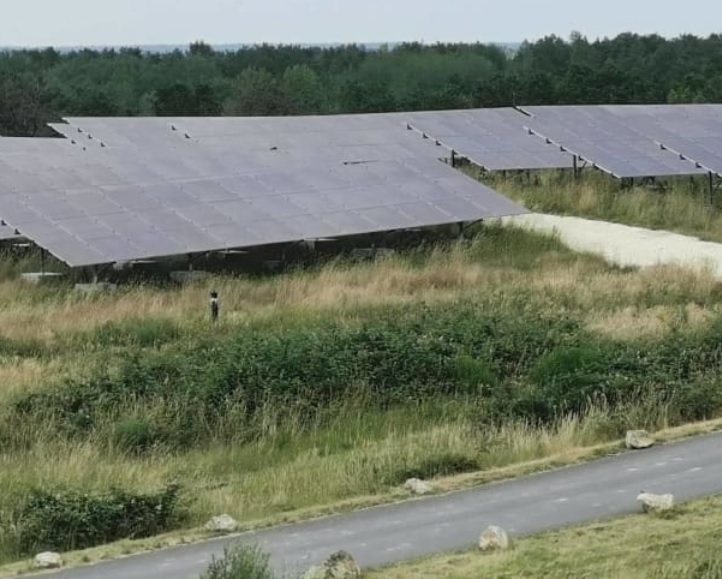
(37, 86)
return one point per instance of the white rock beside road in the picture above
(340, 565)
(418, 487)
(639, 439)
(47, 560)
(494, 539)
(652, 502)
(222, 524)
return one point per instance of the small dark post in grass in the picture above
(214, 306)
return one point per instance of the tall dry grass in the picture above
(682, 205)
(553, 278)
(357, 456)
(353, 451)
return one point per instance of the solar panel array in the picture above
(605, 140)
(106, 205)
(693, 132)
(30, 145)
(338, 138)
(125, 189)
(14, 148)
(491, 138)
(8, 233)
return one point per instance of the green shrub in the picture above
(410, 354)
(240, 562)
(518, 364)
(568, 376)
(473, 373)
(67, 520)
(135, 435)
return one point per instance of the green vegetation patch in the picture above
(681, 544)
(64, 520)
(240, 562)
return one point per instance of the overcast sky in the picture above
(134, 22)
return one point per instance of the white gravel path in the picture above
(625, 245)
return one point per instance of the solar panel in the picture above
(201, 127)
(163, 201)
(693, 132)
(8, 233)
(599, 137)
(118, 132)
(491, 138)
(294, 140)
(705, 154)
(614, 138)
(31, 145)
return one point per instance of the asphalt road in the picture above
(381, 535)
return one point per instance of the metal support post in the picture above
(710, 177)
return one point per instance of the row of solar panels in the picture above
(625, 141)
(124, 189)
(635, 141)
(143, 190)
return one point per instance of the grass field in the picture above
(682, 544)
(682, 206)
(334, 385)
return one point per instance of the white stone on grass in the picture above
(47, 560)
(652, 502)
(638, 439)
(494, 539)
(418, 487)
(222, 524)
(340, 565)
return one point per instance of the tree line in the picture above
(40, 86)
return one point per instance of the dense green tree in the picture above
(41, 85)
(200, 48)
(257, 93)
(182, 100)
(24, 105)
(303, 91)
(366, 97)
(175, 100)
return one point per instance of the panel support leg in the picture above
(710, 177)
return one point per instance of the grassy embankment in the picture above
(681, 544)
(335, 384)
(682, 207)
